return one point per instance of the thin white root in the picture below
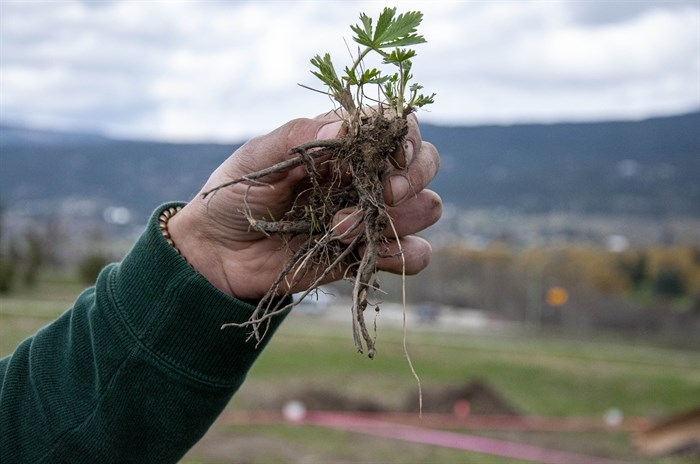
(405, 330)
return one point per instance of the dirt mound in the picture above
(317, 399)
(475, 397)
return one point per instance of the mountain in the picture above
(648, 168)
(17, 135)
(42, 169)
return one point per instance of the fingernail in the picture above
(408, 151)
(398, 158)
(329, 131)
(399, 189)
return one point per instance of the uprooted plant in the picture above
(373, 106)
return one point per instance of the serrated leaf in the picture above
(350, 76)
(366, 23)
(399, 31)
(383, 24)
(370, 74)
(326, 72)
(373, 76)
(363, 33)
(422, 100)
(399, 55)
(391, 31)
(412, 39)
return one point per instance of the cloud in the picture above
(616, 11)
(228, 70)
(534, 61)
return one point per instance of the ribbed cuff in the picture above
(176, 314)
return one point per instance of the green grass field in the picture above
(537, 374)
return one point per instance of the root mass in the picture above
(343, 173)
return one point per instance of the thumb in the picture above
(272, 148)
(329, 130)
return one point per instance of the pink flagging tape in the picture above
(450, 421)
(450, 439)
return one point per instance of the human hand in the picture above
(215, 235)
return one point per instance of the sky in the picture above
(228, 70)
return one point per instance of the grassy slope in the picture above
(541, 376)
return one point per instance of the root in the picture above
(318, 252)
(405, 328)
(323, 147)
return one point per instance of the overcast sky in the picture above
(226, 70)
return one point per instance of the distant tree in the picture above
(33, 257)
(7, 261)
(669, 283)
(7, 274)
(635, 267)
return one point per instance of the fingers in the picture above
(267, 150)
(403, 156)
(400, 185)
(410, 255)
(410, 217)
(414, 165)
(414, 215)
(420, 159)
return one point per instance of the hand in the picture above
(215, 237)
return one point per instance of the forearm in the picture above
(136, 371)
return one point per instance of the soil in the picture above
(343, 173)
(479, 395)
(482, 398)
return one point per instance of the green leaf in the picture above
(386, 38)
(350, 77)
(399, 55)
(389, 90)
(422, 100)
(391, 31)
(364, 32)
(326, 72)
(383, 25)
(399, 31)
(373, 76)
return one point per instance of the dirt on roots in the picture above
(346, 172)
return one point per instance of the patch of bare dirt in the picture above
(478, 394)
(480, 397)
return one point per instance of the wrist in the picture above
(163, 220)
(180, 228)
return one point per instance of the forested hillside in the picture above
(649, 167)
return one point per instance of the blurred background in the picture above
(563, 298)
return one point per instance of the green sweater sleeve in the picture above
(136, 371)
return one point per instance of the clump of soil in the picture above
(342, 173)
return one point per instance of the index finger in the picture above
(403, 155)
(402, 184)
(267, 150)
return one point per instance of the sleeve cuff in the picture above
(176, 314)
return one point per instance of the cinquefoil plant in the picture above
(374, 105)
